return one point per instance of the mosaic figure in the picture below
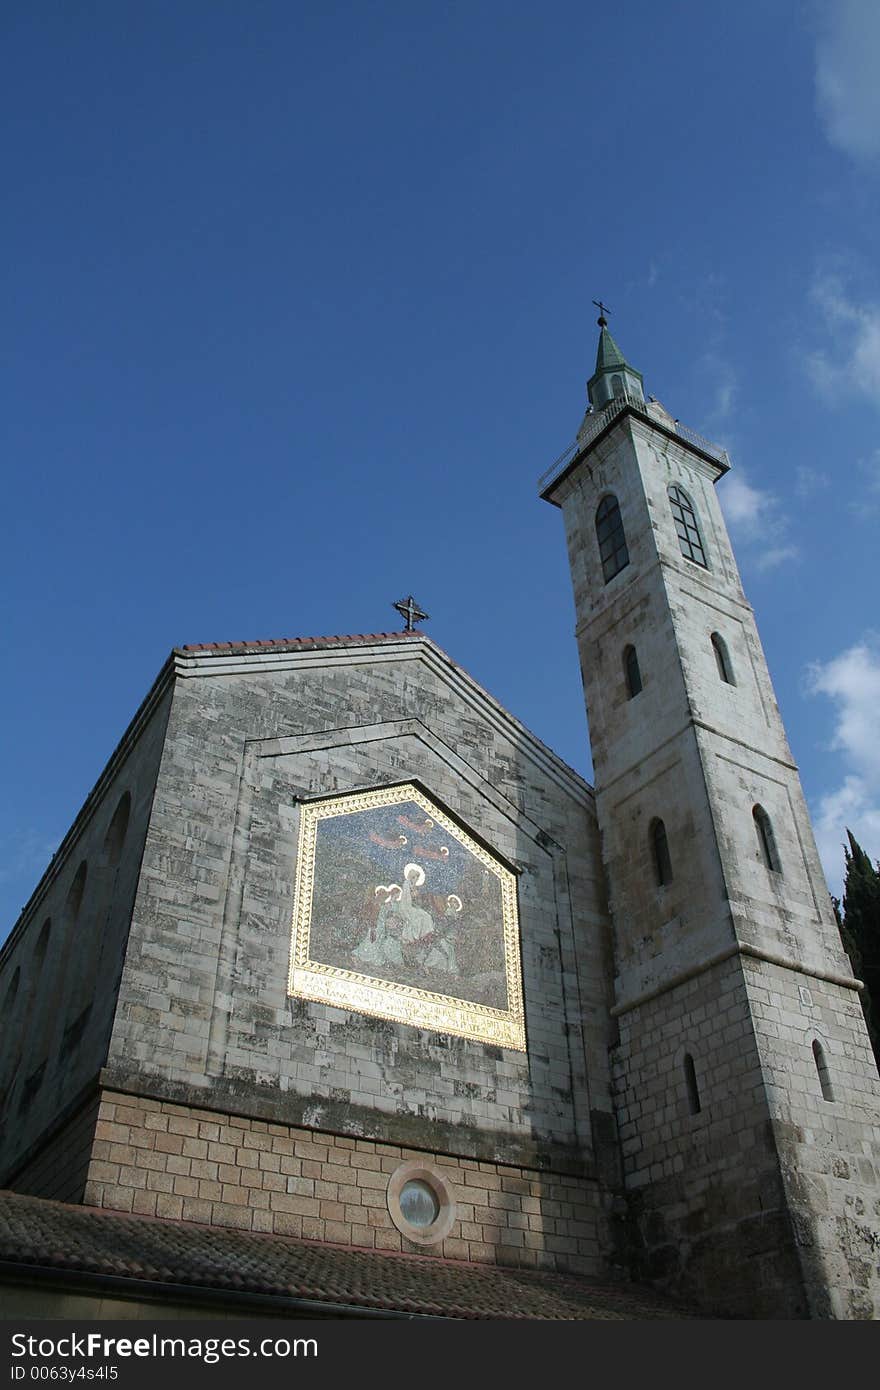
(400, 897)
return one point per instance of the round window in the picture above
(421, 1203)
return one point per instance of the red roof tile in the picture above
(262, 643)
(54, 1236)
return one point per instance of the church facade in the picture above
(338, 952)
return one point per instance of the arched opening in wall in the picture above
(687, 527)
(39, 1017)
(105, 914)
(610, 535)
(42, 946)
(74, 897)
(115, 837)
(10, 997)
(766, 840)
(617, 385)
(38, 963)
(7, 1018)
(722, 658)
(690, 1082)
(9, 1053)
(631, 673)
(660, 853)
(822, 1070)
(78, 953)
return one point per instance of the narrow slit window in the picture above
(660, 851)
(610, 535)
(766, 840)
(690, 1081)
(632, 674)
(822, 1070)
(722, 658)
(686, 527)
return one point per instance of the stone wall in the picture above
(823, 1093)
(764, 1202)
(188, 1164)
(204, 1013)
(61, 965)
(707, 1209)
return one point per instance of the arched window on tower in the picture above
(660, 853)
(722, 658)
(690, 1081)
(822, 1070)
(612, 541)
(766, 839)
(686, 526)
(632, 674)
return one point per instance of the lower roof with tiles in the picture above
(149, 1257)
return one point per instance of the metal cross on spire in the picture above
(603, 310)
(411, 613)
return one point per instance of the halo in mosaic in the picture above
(401, 914)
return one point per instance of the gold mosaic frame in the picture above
(400, 1003)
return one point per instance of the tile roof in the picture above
(285, 643)
(54, 1236)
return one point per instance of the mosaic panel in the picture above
(401, 914)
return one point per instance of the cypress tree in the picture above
(860, 930)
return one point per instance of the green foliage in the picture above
(860, 929)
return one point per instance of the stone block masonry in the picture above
(175, 1161)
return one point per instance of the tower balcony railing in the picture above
(594, 425)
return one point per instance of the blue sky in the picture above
(298, 306)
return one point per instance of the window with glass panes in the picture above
(612, 541)
(686, 527)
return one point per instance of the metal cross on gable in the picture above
(411, 613)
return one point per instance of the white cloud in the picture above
(757, 521)
(847, 64)
(851, 365)
(867, 507)
(725, 383)
(852, 681)
(773, 555)
(810, 481)
(851, 807)
(742, 503)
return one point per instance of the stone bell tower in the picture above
(747, 1094)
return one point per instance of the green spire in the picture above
(613, 375)
(608, 354)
